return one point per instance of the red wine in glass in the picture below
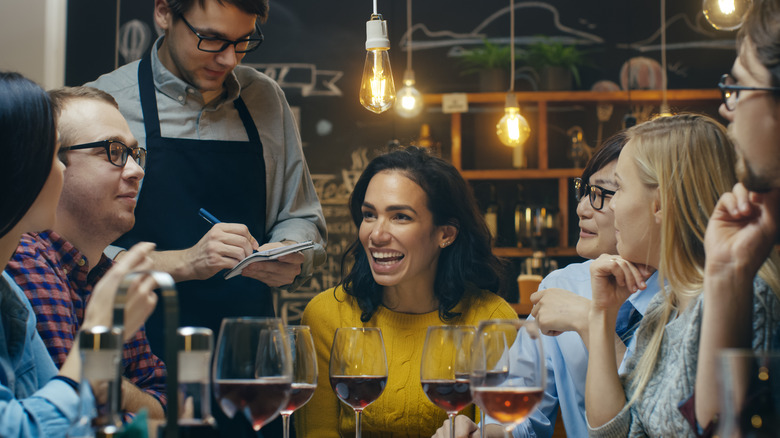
(506, 389)
(358, 391)
(358, 368)
(445, 368)
(258, 399)
(508, 404)
(301, 393)
(450, 395)
(252, 373)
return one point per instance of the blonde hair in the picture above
(690, 160)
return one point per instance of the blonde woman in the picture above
(670, 175)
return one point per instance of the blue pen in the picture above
(208, 216)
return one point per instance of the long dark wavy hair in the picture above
(468, 259)
(28, 139)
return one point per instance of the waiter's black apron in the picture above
(227, 178)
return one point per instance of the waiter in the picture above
(219, 136)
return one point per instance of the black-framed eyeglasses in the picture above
(116, 151)
(730, 91)
(595, 193)
(216, 44)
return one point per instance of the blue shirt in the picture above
(567, 360)
(31, 403)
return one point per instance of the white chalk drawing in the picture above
(457, 43)
(652, 43)
(310, 80)
(134, 39)
(454, 40)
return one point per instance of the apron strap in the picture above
(246, 119)
(148, 98)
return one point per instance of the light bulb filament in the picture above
(378, 83)
(726, 6)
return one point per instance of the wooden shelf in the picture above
(637, 96)
(540, 99)
(520, 174)
(510, 252)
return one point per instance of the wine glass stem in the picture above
(482, 424)
(358, 426)
(286, 425)
(452, 425)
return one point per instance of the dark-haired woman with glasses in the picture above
(562, 304)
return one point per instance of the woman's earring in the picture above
(444, 244)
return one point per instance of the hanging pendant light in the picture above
(512, 129)
(409, 99)
(377, 90)
(725, 14)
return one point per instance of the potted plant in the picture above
(555, 64)
(491, 62)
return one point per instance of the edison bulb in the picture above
(409, 100)
(377, 89)
(725, 14)
(513, 129)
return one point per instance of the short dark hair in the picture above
(256, 7)
(607, 153)
(762, 26)
(468, 260)
(27, 142)
(61, 96)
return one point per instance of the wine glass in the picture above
(358, 368)
(304, 380)
(496, 355)
(445, 368)
(253, 369)
(508, 393)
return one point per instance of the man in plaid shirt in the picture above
(59, 268)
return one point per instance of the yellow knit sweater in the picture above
(402, 410)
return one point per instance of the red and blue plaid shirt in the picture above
(58, 281)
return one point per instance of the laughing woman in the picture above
(422, 258)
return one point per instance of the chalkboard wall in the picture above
(315, 49)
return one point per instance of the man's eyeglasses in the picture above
(730, 91)
(216, 45)
(595, 193)
(116, 150)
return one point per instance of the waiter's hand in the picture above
(221, 248)
(276, 273)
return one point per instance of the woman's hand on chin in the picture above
(613, 279)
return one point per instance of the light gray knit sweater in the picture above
(656, 412)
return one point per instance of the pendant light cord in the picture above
(664, 85)
(375, 13)
(512, 45)
(409, 31)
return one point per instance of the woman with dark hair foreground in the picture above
(35, 398)
(422, 258)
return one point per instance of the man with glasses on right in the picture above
(743, 231)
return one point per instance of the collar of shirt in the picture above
(641, 299)
(178, 90)
(73, 262)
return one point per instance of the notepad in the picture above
(268, 254)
